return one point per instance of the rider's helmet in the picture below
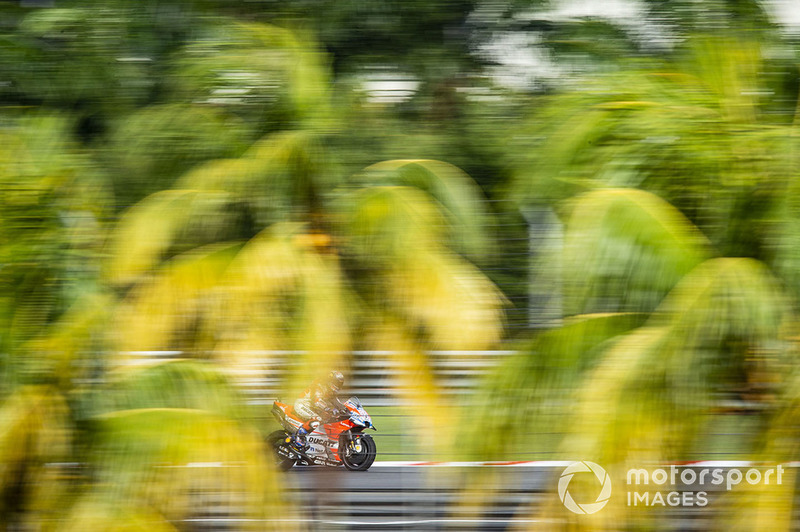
(335, 381)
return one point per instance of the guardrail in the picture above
(375, 375)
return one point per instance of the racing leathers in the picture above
(317, 403)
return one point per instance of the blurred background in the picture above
(525, 231)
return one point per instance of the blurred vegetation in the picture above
(228, 178)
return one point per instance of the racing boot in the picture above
(298, 442)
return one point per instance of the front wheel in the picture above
(357, 451)
(274, 442)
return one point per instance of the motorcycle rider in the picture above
(319, 401)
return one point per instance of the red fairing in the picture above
(334, 430)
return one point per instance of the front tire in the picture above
(274, 441)
(357, 451)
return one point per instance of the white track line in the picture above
(389, 463)
(564, 463)
(363, 523)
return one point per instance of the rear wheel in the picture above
(274, 441)
(357, 451)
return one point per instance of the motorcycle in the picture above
(338, 441)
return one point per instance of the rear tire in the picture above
(358, 460)
(274, 441)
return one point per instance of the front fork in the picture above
(350, 443)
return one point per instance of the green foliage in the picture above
(153, 146)
(717, 331)
(450, 187)
(50, 231)
(36, 431)
(624, 249)
(525, 402)
(174, 177)
(175, 384)
(145, 460)
(265, 73)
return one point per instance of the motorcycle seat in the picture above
(288, 410)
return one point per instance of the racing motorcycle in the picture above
(338, 441)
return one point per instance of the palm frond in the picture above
(149, 229)
(418, 386)
(390, 221)
(625, 249)
(279, 177)
(717, 331)
(165, 311)
(449, 298)
(166, 458)
(76, 332)
(110, 516)
(34, 430)
(186, 384)
(459, 196)
(281, 293)
(151, 147)
(399, 231)
(534, 387)
(269, 69)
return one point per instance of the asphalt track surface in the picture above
(419, 497)
(401, 496)
(424, 497)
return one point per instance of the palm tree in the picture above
(673, 185)
(242, 254)
(270, 250)
(50, 241)
(382, 268)
(171, 443)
